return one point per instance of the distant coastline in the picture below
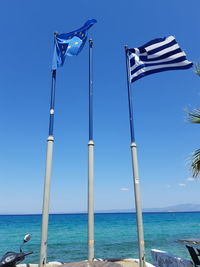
(85, 213)
(170, 209)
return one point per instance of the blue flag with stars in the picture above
(70, 44)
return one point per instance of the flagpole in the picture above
(90, 161)
(47, 180)
(135, 170)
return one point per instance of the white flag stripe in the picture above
(164, 51)
(176, 56)
(167, 40)
(139, 54)
(180, 64)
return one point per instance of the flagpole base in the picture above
(138, 205)
(46, 198)
(90, 200)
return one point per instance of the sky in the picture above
(165, 140)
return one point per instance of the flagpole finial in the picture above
(91, 42)
(55, 34)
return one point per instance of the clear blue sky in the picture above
(165, 139)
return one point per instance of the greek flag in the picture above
(157, 55)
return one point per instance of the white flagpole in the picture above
(90, 162)
(135, 170)
(47, 181)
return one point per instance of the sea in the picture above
(115, 235)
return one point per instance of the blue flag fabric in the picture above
(70, 44)
(157, 55)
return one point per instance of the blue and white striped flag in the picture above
(157, 55)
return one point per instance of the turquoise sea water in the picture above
(115, 234)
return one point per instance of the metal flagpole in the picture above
(47, 182)
(90, 162)
(135, 169)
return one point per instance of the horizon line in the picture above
(100, 212)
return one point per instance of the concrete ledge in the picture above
(163, 259)
(130, 262)
(49, 264)
(96, 263)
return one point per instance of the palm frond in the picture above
(194, 117)
(197, 69)
(195, 164)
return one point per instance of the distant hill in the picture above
(175, 208)
(178, 208)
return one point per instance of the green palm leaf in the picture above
(194, 117)
(197, 69)
(195, 164)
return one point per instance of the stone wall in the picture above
(163, 259)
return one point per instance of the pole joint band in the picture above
(50, 138)
(133, 144)
(91, 143)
